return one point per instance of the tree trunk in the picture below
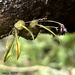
(14, 10)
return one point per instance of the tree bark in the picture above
(13, 10)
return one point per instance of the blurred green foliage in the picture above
(45, 50)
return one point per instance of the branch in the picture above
(68, 71)
(26, 69)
